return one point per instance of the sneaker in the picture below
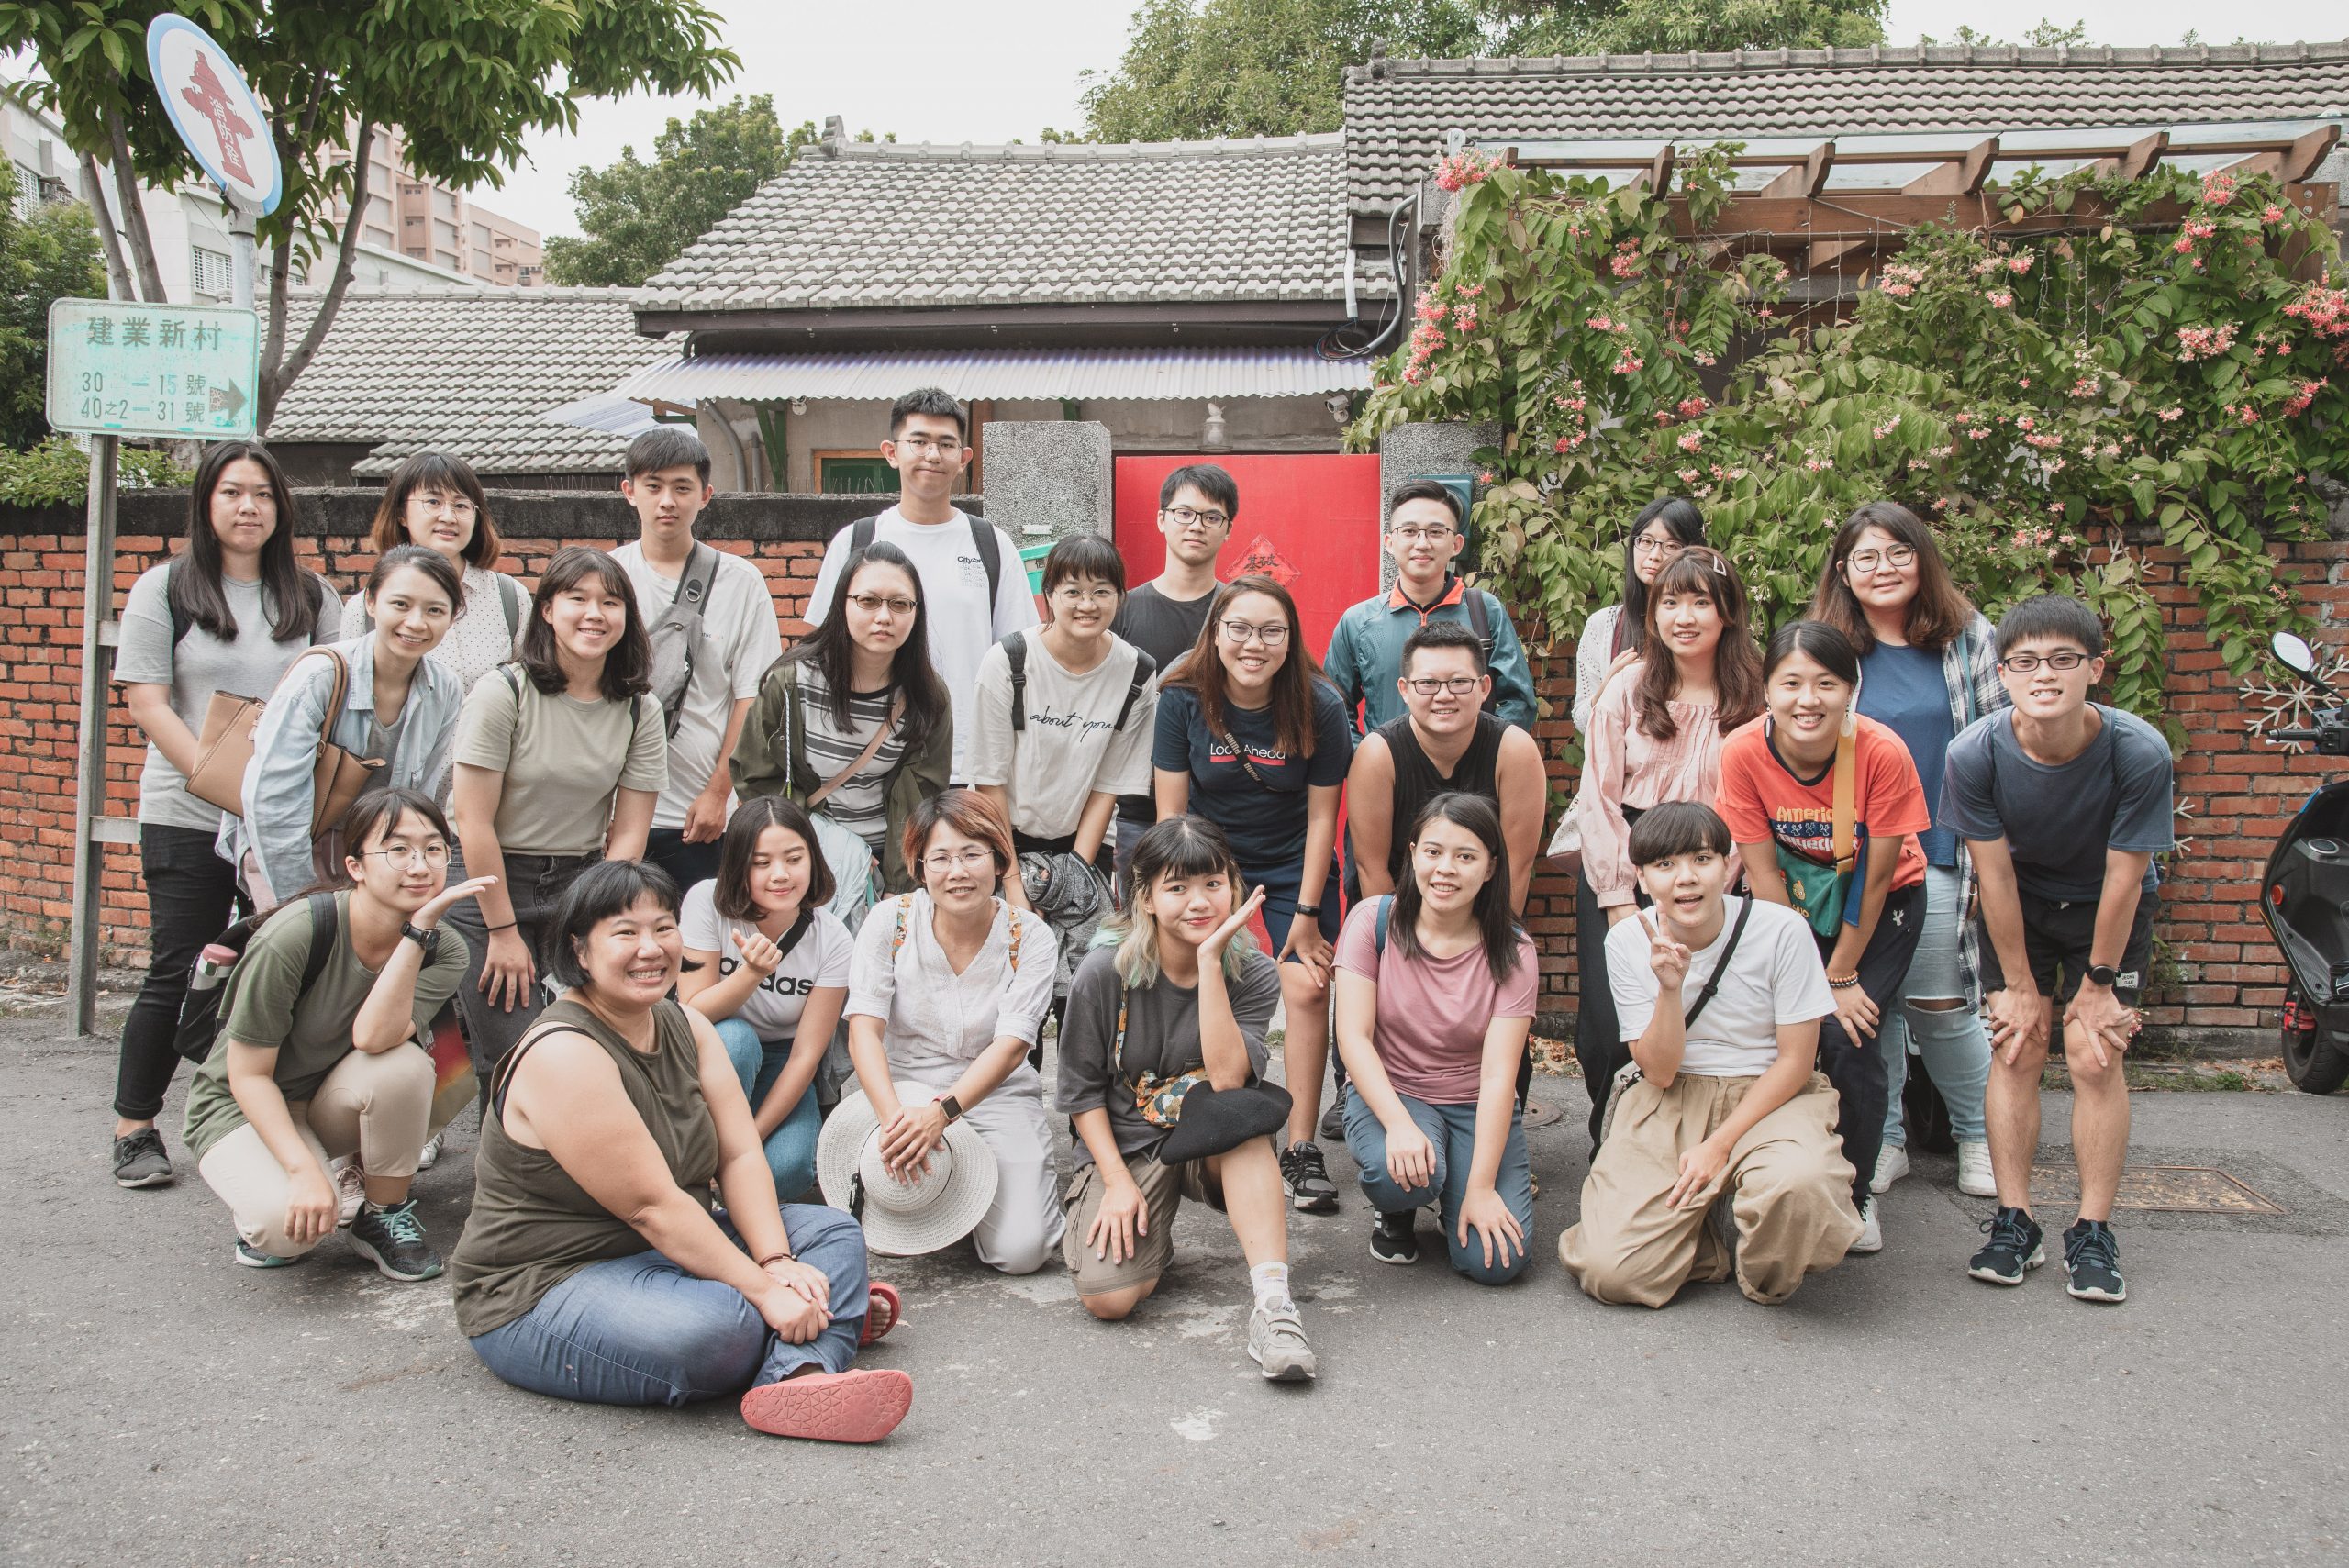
(2092, 1257)
(349, 1189)
(1973, 1177)
(430, 1155)
(1393, 1238)
(1871, 1229)
(1306, 1180)
(862, 1404)
(139, 1160)
(2013, 1250)
(1333, 1120)
(1277, 1343)
(392, 1239)
(253, 1259)
(1891, 1164)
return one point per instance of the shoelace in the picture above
(401, 1224)
(2007, 1232)
(2096, 1248)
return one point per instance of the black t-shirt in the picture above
(1263, 812)
(1165, 630)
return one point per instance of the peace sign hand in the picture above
(1667, 958)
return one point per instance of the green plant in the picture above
(2035, 397)
(57, 472)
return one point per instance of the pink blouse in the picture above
(1623, 765)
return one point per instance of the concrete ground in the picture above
(166, 1407)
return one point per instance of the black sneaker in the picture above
(1393, 1238)
(139, 1160)
(1306, 1180)
(1333, 1120)
(2092, 1257)
(253, 1258)
(2013, 1248)
(392, 1239)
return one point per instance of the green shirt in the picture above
(310, 1030)
(564, 761)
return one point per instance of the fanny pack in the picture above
(1820, 892)
(1199, 1119)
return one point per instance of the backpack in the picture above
(983, 536)
(678, 632)
(509, 598)
(1471, 604)
(207, 985)
(181, 622)
(1015, 649)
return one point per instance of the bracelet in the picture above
(1836, 984)
(778, 1258)
(1314, 909)
(507, 926)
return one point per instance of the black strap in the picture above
(1471, 604)
(509, 595)
(1015, 650)
(1721, 967)
(1240, 753)
(982, 536)
(325, 927)
(1144, 668)
(860, 535)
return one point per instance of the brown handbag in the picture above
(226, 746)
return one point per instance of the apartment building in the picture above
(444, 228)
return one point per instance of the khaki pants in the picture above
(372, 1105)
(1789, 1186)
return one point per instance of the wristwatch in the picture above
(2102, 974)
(1312, 911)
(951, 1107)
(429, 941)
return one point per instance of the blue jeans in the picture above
(641, 1331)
(1452, 1131)
(791, 1147)
(1949, 1040)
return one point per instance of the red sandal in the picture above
(884, 1310)
(856, 1407)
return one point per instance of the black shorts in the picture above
(2056, 938)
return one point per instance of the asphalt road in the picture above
(165, 1406)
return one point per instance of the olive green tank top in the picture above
(533, 1226)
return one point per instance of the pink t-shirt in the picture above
(1433, 1012)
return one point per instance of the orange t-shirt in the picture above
(1761, 799)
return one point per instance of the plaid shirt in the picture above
(1970, 670)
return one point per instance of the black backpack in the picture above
(1015, 649)
(983, 536)
(207, 985)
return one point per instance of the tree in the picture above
(1680, 27)
(51, 255)
(465, 81)
(638, 215)
(2046, 35)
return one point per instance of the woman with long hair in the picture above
(852, 721)
(1252, 739)
(1437, 988)
(768, 965)
(1929, 664)
(228, 613)
(1655, 734)
(1613, 635)
(559, 757)
(435, 500)
(1825, 803)
(1178, 990)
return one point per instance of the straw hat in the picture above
(905, 1219)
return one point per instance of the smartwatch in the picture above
(951, 1107)
(429, 941)
(2102, 974)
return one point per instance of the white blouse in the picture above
(936, 1022)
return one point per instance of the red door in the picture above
(1309, 521)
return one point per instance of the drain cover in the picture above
(2164, 1189)
(1540, 1115)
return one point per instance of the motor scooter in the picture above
(2304, 896)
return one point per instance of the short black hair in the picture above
(1210, 480)
(2052, 615)
(1442, 634)
(628, 665)
(1823, 645)
(741, 845)
(1084, 555)
(1677, 828)
(665, 447)
(935, 401)
(1426, 489)
(605, 889)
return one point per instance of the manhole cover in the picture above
(2164, 1189)
(1540, 1115)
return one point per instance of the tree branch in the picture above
(275, 383)
(93, 191)
(134, 213)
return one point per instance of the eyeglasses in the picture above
(1648, 544)
(1421, 535)
(919, 445)
(1898, 557)
(874, 603)
(2025, 663)
(1184, 517)
(1458, 685)
(456, 506)
(1272, 635)
(953, 860)
(1068, 596)
(406, 855)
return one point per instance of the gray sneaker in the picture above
(139, 1160)
(1277, 1343)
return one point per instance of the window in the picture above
(27, 191)
(208, 272)
(481, 237)
(379, 238)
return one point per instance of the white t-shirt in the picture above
(1775, 977)
(962, 625)
(739, 638)
(818, 958)
(1069, 749)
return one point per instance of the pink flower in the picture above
(1692, 406)
(2019, 265)
(1692, 441)
(1624, 266)
(1688, 476)
(2271, 213)
(2172, 415)
(2001, 298)
(2218, 188)
(1464, 317)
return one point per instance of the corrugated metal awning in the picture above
(1006, 374)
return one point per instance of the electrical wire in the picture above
(1337, 343)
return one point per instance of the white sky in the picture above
(993, 70)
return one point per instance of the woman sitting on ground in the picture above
(311, 1069)
(1437, 988)
(593, 1266)
(768, 965)
(1183, 990)
(948, 988)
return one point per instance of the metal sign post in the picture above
(93, 830)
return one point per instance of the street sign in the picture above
(216, 115)
(119, 368)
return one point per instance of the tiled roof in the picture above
(469, 372)
(854, 224)
(1399, 111)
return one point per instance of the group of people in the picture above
(737, 925)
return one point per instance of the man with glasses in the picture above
(1424, 520)
(1196, 506)
(970, 575)
(2063, 803)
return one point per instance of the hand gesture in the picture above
(1411, 1158)
(760, 956)
(1121, 1218)
(1668, 959)
(794, 1317)
(804, 1280)
(2111, 1024)
(2018, 1020)
(507, 972)
(312, 1209)
(1855, 1012)
(1483, 1210)
(1699, 1169)
(1311, 948)
(429, 916)
(907, 1138)
(1211, 950)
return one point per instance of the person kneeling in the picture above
(1436, 993)
(593, 1266)
(1160, 1063)
(1729, 1105)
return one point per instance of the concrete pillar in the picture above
(1047, 480)
(1445, 451)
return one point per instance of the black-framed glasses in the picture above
(2025, 663)
(1899, 557)
(1458, 685)
(872, 604)
(1184, 517)
(1272, 634)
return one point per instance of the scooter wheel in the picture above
(2315, 1067)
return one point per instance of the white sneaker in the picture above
(1277, 1343)
(1871, 1232)
(349, 1189)
(1973, 1177)
(430, 1156)
(1891, 1164)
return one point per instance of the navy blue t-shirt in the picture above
(1265, 824)
(2059, 821)
(1903, 689)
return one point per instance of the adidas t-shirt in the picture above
(818, 958)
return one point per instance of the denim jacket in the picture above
(276, 826)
